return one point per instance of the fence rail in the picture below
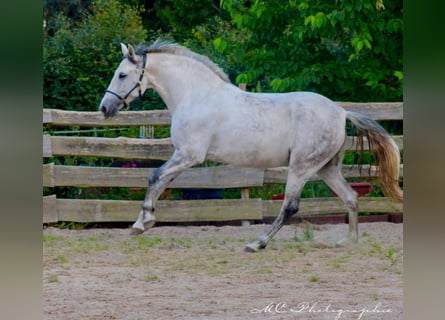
(132, 148)
(75, 210)
(220, 177)
(95, 210)
(376, 110)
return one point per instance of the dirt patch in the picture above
(204, 273)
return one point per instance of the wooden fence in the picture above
(95, 210)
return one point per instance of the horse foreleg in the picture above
(157, 183)
(146, 218)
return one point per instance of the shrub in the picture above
(79, 59)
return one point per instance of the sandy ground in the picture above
(204, 273)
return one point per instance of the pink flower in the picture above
(129, 165)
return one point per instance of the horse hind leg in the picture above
(331, 174)
(290, 207)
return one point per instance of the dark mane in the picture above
(162, 46)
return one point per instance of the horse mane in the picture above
(163, 46)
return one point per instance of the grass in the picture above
(340, 262)
(375, 297)
(391, 257)
(51, 240)
(53, 278)
(314, 278)
(139, 244)
(61, 258)
(264, 271)
(308, 233)
(90, 244)
(183, 242)
(214, 269)
(150, 276)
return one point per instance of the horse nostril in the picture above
(103, 109)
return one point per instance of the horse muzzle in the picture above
(109, 108)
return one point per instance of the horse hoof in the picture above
(149, 224)
(135, 231)
(250, 249)
(254, 246)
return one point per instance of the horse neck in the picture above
(180, 81)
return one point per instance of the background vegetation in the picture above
(345, 49)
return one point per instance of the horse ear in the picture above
(131, 53)
(124, 49)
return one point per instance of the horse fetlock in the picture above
(147, 206)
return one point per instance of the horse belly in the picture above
(247, 151)
(256, 136)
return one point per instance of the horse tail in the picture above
(387, 151)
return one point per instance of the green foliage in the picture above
(345, 49)
(215, 40)
(179, 17)
(79, 59)
(69, 8)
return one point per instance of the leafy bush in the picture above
(79, 59)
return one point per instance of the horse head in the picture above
(127, 78)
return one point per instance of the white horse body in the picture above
(265, 126)
(215, 120)
(265, 132)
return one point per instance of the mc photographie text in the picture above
(306, 307)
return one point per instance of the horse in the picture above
(212, 119)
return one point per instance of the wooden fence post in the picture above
(147, 132)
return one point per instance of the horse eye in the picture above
(122, 75)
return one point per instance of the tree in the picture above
(73, 9)
(344, 49)
(79, 59)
